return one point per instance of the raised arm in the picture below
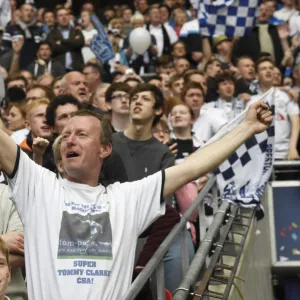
(8, 153)
(258, 118)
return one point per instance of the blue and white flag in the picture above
(100, 44)
(242, 178)
(234, 18)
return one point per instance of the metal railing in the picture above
(156, 262)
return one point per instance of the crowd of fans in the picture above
(197, 84)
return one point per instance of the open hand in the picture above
(259, 117)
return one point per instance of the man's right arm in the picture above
(8, 153)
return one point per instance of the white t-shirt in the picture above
(158, 34)
(231, 109)
(209, 123)
(284, 107)
(86, 51)
(19, 136)
(80, 240)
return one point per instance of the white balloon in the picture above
(140, 40)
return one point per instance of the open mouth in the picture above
(46, 128)
(72, 154)
(137, 109)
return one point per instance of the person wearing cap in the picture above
(223, 46)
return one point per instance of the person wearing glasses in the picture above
(117, 99)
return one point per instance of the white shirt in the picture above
(158, 34)
(284, 107)
(231, 109)
(19, 136)
(285, 14)
(80, 240)
(86, 51)
(209, 123)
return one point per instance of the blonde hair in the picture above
(56, 149)
(137, 17)
(32, 104)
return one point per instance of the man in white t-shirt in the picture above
(286, 113)
(81, 236)
(207, 120)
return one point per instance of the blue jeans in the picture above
(173, 263)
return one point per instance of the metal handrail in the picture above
(150, 267)
(286, 163)
(199, 259)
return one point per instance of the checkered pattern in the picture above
(252, 147)
(230, 17)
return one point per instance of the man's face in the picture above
(119, 103)
(63, 18)
(99, 99)
(4, 274)
(36, 93)
(49, 18)
(194, 99)
(263, 15)
(181, 117)
(155, 16)
(164, 15)
(214, 69)
(80, 146)
(266, 73)
(224, 48)
(166, 69)
(142, 107)
(17, 83)
(126, 15)
(277, 77)
(44, 52)
(62, 116)
(177, 87)
(181, 65)
(179, 50)
(89, 7)
(226, 89)
(37, 122)
(142, 5)
(91, 76)
(28, 77)
(246, 69)
(26, 13)
(109, 14)
(77, 86)
(85, 18)
(160, 133)
(200, 79)
(170, 3)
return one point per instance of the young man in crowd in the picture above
(92, 73)
(11, 232)
(117, 100)
(75, 84)
(119, 213)
(59, 112)
(286, 112)
(207, 122)
(176, 84)
(36, 123)
(230, 105)
(142, 156)
(181, 65)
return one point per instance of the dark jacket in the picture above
(57, 69)
(31, 42)
(249, 45)
(61, 46)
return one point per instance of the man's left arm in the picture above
(76, 42)
(258, 118)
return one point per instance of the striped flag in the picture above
(243, 177)
(234, 18)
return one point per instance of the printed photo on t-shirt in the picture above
(87, 236)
